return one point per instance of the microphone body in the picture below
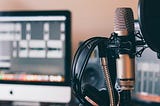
(125, 63)
(125, 67)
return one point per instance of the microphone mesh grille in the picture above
(124, 20)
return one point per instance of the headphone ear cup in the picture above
(95, 95)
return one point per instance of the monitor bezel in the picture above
(67, 59)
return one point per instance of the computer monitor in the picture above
(35, 52)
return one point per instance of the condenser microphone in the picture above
(125, 63)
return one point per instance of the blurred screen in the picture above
(32, 48)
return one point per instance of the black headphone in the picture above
(87, 94)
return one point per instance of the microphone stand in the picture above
(125, 98)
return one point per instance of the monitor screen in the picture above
(35, 50)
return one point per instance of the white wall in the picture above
(89, 17)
